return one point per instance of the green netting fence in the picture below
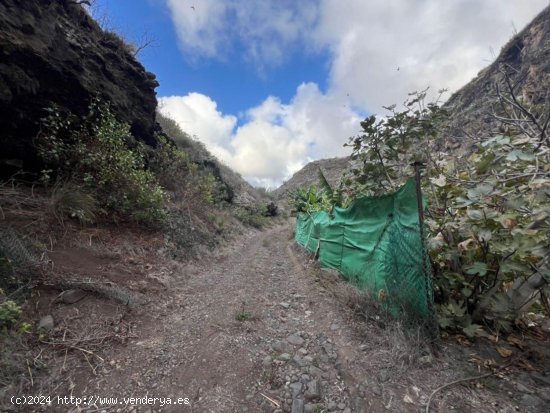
(376, 244)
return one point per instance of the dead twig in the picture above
(481, 376)
(271, 400)
(452, 383)
(30, 373)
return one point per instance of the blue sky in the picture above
(233, 83)
(269, 85)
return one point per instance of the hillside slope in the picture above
(525, 61)
(239, 191)
(332, 168)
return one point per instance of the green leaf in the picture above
(517, 154)
(473, 330)
(526, 156)
(466, 292)
(480, 190)
(484, 163)
(440, 181)
(461, 202)
(498, 140)
(510, 266)
(443, 321)
(474, 214)
(485, 235)
(477, 267)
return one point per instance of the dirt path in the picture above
(258, 328)
(222, 338)
(246, 327)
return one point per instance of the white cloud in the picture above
(379, 51)
(383, 50)
(276, 140)
(198, 115)
(200, 28)
(265, 29)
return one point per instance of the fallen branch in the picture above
(271, 400)
(482, 376)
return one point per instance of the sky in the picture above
(270, 85)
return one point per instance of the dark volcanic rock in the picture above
(54, 52)
(526, 60)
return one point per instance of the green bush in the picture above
(253, 215)
(9, 314)
(97, 155)
(488, 219)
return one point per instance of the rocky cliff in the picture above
(53, 52)
(525, 61)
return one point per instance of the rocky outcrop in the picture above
(52, 51)
(525, 59)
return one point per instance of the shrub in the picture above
(9, 314)
(96, 154)
(271, 210)
(488, 215)
(253, 215)
(170, 164)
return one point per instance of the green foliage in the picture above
(9, 314)
(243, 316)
(99, 155)
(170, 165)
(309, 200)
(316, 199)
(386, 149)
(195, 149)
(17, 259)
(333, 196)
(488, 218)
(253, 215)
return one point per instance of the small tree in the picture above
(488, 214)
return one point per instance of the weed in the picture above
(270, 377)
(316, 361)
(243, 315)
(95, 154)
(68, 200)
(252, 215)
(9, 314)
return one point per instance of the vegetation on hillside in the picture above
(488, 212)
(94, 169)
(98, 171)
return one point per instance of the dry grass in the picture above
(26, 362)
(398, 342)
(67, 200)
(77, 334)
(391, 341)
